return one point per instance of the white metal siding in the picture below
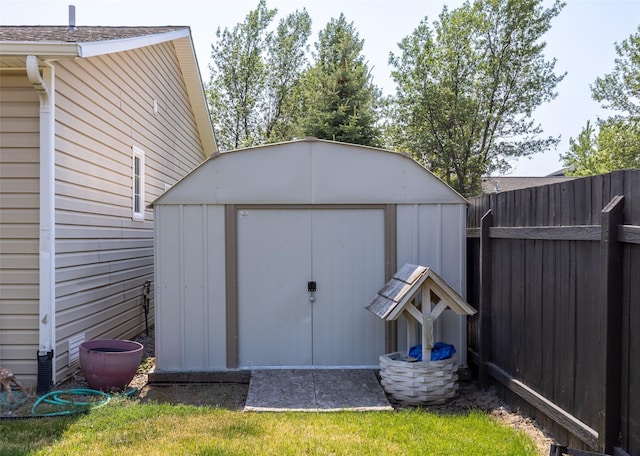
(274, 266)
(190, 268)
(19, 221)
(279, 251)
(104, 107)
(348, 264)
(434, 236)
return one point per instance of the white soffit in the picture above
(193, 80)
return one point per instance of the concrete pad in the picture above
(285, 389)
(315, 390)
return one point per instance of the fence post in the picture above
(485, 298)
(610, 325)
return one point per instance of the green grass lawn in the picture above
(126, 427)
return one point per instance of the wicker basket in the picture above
(418, 383)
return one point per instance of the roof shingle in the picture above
(45, 33)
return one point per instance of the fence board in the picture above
(517, 312)
(533, 370)
(564, 371)
(630, 416)
(473, 292)
(500, 274)
(540, 205)
(484, 296)
(629, 234)
(626, 343)
(556, 233)
(597, 198)
(549, 362)
(617, 183)
(582, 206)
(584, 432)
(611, 322)
(632, 196)
(498, 336)
(587, 328)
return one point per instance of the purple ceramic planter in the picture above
(110, 364)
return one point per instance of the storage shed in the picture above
(267, 256)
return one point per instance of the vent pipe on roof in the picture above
(72, 18)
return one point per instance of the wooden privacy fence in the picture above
(554, 272)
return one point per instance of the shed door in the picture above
(279, 252)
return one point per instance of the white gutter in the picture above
(48, 50)
(44, 85)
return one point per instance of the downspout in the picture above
(44, 86)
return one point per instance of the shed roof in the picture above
(53, 43)
(310, 171)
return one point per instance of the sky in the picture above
(581, 40)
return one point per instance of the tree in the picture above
(238, 79)
(620, 90)
(253, 75)
(339, 96)
(615, 145)
(617, 142)
(286, 65)
(583, 158)
(263, 90)
(620, 139)
(467, 89)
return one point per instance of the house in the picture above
(496, 184)
(95, 123)
(268, 256)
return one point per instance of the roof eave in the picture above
(94, 48)
(193, 80)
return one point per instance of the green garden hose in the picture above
(71, 407)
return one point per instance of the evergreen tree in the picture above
(339, 97)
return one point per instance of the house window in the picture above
(138, 184)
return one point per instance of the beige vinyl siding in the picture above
(104, 106)
(19, 222)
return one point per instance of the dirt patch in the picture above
(233, 396)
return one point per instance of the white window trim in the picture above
(140, 213)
